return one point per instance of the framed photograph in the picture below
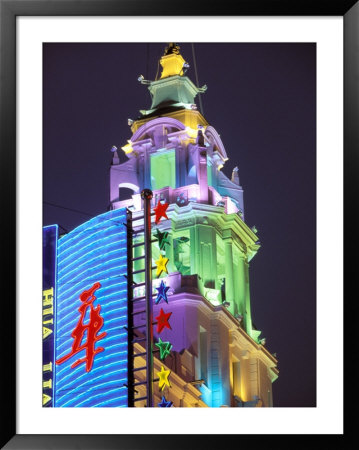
(232, 138)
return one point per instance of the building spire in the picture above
(172, 61)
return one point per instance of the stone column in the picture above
(202, 176)
(241, 283)
(180, 165)
(228, 258)
(253, 378)
(194, 249)
(207, 255)
(169, 252)
(247, 315)
(147, 167)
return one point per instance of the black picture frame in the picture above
(9, 10)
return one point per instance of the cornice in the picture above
(244, 342)
(227, 225)
(183, 113)
(237, 336)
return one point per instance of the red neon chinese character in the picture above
(93, 327)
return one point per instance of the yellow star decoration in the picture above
(161, 265)
(163, 381)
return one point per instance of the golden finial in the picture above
(172, 62)
(172, 48)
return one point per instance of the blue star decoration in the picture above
(162, 293)
(164, 403)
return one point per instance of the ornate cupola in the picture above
(173, 145)
(174, 90)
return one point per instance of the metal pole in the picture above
(147, 195)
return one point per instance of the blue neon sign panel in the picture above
(91, 342)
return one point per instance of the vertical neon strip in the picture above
(55, 315)
(50, 234)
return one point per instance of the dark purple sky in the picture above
(261, 99)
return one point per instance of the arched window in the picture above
(126, 190)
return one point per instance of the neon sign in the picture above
(160, 211)
(162, 321)
(161, 264)
(163, 378)
(162, 238)
(164, 403)
(49, 248)
(162, 293)
(91, 340)
(164, 348)
(92, 328)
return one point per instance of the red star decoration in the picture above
(162, 321)
(160, 211)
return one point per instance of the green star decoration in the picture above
(162, 238)
(165, 348)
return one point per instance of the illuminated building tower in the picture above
(177, 154)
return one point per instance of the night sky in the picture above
(261, 99)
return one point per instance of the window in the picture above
(209, 173)
(236, 366)
(163, 169)
(125, 193)
(182, 253)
